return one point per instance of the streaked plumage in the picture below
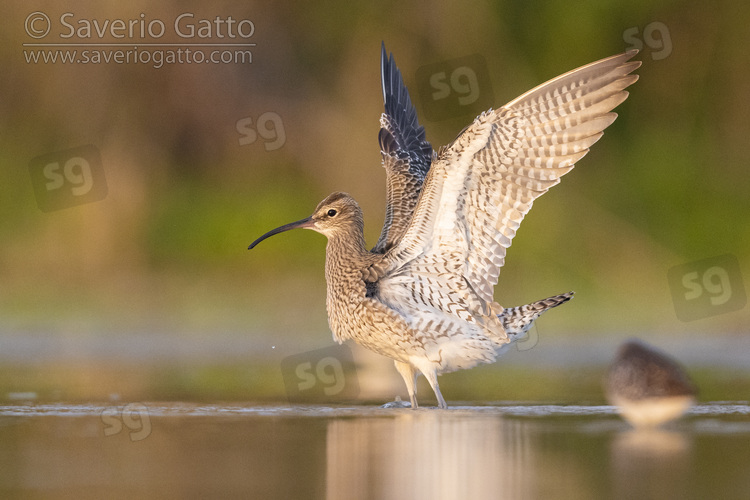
(519, 320)
(406, 154)
(647, 386)
(424, 295)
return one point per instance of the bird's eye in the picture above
(331, 213)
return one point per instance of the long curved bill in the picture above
(306, 223)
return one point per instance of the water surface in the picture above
(507, 450)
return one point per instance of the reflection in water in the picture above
(179, 450)
(651, 463)
(428, 454)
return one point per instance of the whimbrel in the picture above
(423, 296)
(648, 387)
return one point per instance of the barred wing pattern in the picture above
(406, 154)
(481, 186)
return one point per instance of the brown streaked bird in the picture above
(423, 296)
(647, 386)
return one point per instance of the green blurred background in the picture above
(151, 293)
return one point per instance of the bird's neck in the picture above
(346, 262)
(348, 251)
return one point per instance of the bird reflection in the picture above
(428, 455)
(651, 463)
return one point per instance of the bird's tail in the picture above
(518, 320)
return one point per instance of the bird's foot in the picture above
(397, 403)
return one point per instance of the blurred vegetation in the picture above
(166, 249)
(261, 381)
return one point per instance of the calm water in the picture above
(159, 450)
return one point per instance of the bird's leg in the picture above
(431, 377)
(409, 375)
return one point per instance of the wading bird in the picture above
(423, 296)
(647, 386)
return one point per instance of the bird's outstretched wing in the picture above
(481, 186)
(406, 154)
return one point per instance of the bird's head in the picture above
(338, 214)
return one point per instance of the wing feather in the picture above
(405, 151)
(481, 186)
